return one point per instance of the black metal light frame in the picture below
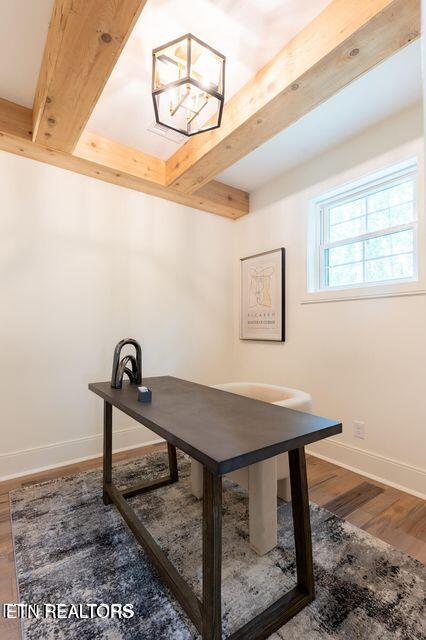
(188, 80)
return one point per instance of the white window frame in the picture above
(319, 220)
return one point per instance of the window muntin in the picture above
(368, 235)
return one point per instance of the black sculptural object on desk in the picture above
(120, 367)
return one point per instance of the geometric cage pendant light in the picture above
(188, 85)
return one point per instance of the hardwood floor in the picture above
(393, 516)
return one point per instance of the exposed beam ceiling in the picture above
(115, 163)
(347, 39)
(84, 41)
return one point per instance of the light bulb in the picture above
(207, 68)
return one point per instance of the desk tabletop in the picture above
(222, 430)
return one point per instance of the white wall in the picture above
(360, 359)
(82, 265)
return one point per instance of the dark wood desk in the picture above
(224, 432)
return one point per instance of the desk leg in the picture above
(212, 556)
(107, 458)
(173, 468)
(301, 521)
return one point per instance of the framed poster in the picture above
(263, 296)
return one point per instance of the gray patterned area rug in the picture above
(71, 549)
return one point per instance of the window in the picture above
(366, 234)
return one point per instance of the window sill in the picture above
(353, 295)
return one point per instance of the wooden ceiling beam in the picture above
(343, 42)
(15, 119)
(136, 170)
(83, 43)
(115, 163)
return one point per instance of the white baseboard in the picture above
(387, 470)
(372, 465)
(60, 454)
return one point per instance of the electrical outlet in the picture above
(359, 429)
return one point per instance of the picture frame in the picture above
(262, 304)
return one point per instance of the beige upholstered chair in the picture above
(264, 480)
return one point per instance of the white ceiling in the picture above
(387, 89)
(247, 32)
(23, 31)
